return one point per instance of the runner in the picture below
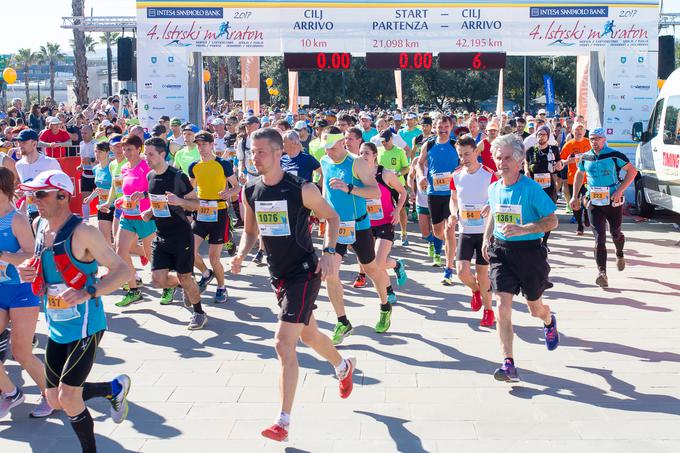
(438, 160)
(210, 176)
(571, 153)
(469, 198)
(409, 133)
(173, 247)
(87, 161)
(395, 159)
(602, 166)
(189, 152)
(384, 214)
(435, 244)
(347, 183)
(353, 140)
(116, 191)
(273, 200)
(63, 272)
(294, 161)
(367, 130)
(18, 306)
(542, 163)
(484, 147)
(520, 213)
(102, 182)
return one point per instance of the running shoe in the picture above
(132, 295)
(488, 319)
(447, 279)
(276, 432)
(568, 209)
(476, 301)
(359, 281)
(204, 281)
(259, 256)
(430, 250)
(404, 242)
(384, 322)
(391, 298)
(43, 409)
(346, 385)
(437, 260)
(506, 373)
(230, 247)
(4, 345)
(221, 295)
(552, 336)
(340, 332)
(7, 403)
(167, 296)
(602, 280)
(620, 263)
(400, 272)
(572, 220)
(119, 403)
(198, 320)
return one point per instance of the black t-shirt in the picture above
(174, 181)
(542, 160)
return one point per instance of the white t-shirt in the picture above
(178, 140)
(396, 141)
(87, 151)
(27, 172)
(472, 191)
(245, 156)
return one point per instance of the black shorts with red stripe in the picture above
(296, 295)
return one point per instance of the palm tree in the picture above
(106, 38)
(80, 53)
(51, 54)
(90, 44)
(25, 58)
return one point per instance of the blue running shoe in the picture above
(506, 373)
(400, 272)
(552, 337)
(391, 298)
(221, 295)
(447, 279)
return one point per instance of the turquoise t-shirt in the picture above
(521, 203)
(369, 134)
(408, 136)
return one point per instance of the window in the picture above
(671, 127)
(655, 120)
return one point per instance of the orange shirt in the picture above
(576, 148)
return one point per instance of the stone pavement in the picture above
(613, 385)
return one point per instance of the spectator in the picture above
(35, 120)
(54, 139)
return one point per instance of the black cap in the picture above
(158, 130)
(72, 129)
(426, 120)
(204, 136)
(165, 118)
(252, 120)
(321, 123)
(386, 135)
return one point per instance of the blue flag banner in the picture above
(549, 94)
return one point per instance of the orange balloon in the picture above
(206, 76)
(10, 75)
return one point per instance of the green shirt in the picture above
(394, 159)
(185, 157)
(318, 151)
(114, 168)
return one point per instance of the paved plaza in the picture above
(613, 385)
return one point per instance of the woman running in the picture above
(103, 182)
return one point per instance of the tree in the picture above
(107, 38)
(90, 44)
(51, 54)
(25, 58)
(80, 87)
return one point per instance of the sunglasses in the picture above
(40, 194)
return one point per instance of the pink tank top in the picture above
(386, 203)
(134, 180)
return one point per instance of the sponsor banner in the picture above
(250, 78)
(293, 92)
(582, 84)
(549, 94)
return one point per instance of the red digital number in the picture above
(321, 61)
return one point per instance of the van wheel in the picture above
(643, 208)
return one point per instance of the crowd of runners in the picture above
(300, 190)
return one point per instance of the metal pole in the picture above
(38, 90)
(526, 83)
(109, 62)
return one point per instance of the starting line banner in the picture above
(168, 30)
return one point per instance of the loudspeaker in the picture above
(666, 56)
(127, 59)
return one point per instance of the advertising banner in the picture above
(250, 78)
(582, 81)
(293, 92)
(549, 87)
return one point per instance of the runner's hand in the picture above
(236, 264)
(486, 210)
(485, 250)
(575, 203)
(395, 217)
(74, 296)
(617, 196)
(103, 208)
(327, 266)
(510, 230)
(137, 196)
(224, 194)
(423, 184)
(174, 200)
(27, 271)
(146, 215)
(452, 221)
(338, 184)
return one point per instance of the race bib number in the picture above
(347, 233)
(159, 205)
(471, 215)
(441, 182)
(374, 208)
(599, 196)
(130, 207)
(4, 265)
(508, 213)
(207, 211)
(118, 184)
(102, 195)
(231, 153)
(250, 166)
(56, 306)
(543, 179)
(272, 218)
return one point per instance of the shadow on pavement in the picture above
(405, 441)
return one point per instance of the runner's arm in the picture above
(250, 232)
(89, 244)
(370, 189)
(393, 181)
(24, 234)
(312, 199)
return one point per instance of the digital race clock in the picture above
(317, 61)
(477, 61)
(400, 60)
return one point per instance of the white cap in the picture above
(106, 123)
(50, 179)
(575, 125)
(364, 115)
(411, 116)
(53, 120)
(217, 121)
(300, 125)
(542, 112)
(397, 117)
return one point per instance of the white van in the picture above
(658, 153)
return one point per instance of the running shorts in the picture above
(385, 232)
(439, 207)
(87, 184)
(108, 216)
(422, 210)
(70, 363)
(470, 245)
(214, 231)
(363, 247)
(138, 226)
(175, 253)
(17, 296)
(296, 296)
(516, 266)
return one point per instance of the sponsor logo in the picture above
(569, 11)
(612, 108)
(154, 60)
(641, 60)
(625, 109)
(623, 60)
(171, 59)
(616, 85)
(641, 87)
(184, 13)
(148, 85)
(172, 86)
(174, 97)
(610, 131)
(146, 106)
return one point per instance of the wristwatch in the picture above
(329, 250)
(91, 290)
(350, 188)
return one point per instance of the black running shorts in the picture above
(385, 232)
(296, 295)
(214, 231)
(439, 208)
(70, 363)
(470, 245)
(363, 247)
(175, 253)
(516, 266)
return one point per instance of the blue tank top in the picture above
(442, 160)
(92, 317)
(8, 243)
(348, 206)
(102, 177)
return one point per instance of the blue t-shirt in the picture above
(303, 165)
(442, 160)
(521, 203)
(602, 170)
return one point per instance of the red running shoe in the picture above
(346, 384)
(488, 319)
(276, 432)
(360, 281)
(476, 301)
(144, 260)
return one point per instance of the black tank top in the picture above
(379, 179)
(294, 253)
